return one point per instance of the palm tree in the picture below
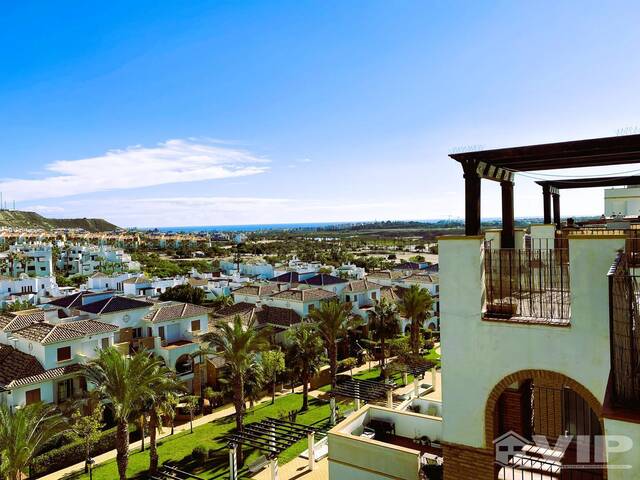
(165, 391)
(22, 433)
(332, 321)
(124, 381)
(305, 356)
(416, 304)
(238, 345)
(383, 321)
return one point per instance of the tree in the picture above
(183, 293)
(272, 366)
(87, 428)
(415, 305)
(238, 345)
(222, 301)
(332, 320)
(123, 381)
(162, 402)
(191, 402)
(23, 432)
(348, 363)
(384, 324)
(305, 355)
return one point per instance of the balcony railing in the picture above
(529, 285)
(624, 325)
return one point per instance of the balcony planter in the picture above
(502, 310)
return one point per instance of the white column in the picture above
(357, 404)
(274, 468)
(310, 448)
(332, 404)
(390, 398)
(416, 386)
(433, 378)
(233, 468)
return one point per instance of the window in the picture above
(106, 285)
(374, 295)
(105, 343)
(137, 332)
(149, 332)
(65, 389)
(195, 325)
(32, 396)
(348, 298)
(312, 307)
(161, 333)
(64, 354)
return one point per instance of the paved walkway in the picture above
(296, 469)
(229, 410)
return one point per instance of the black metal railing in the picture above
(624, 326)
(531, 284)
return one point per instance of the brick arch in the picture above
(538, 376)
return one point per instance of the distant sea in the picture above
(250, 228)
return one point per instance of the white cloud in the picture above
(206, 210)
(43, 209)
(173, 161)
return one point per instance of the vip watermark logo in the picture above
(465, 149)
(587, 451)
(634, 130)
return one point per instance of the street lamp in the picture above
(90, 462)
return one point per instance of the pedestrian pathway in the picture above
(223, 412)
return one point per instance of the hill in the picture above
(18, 219)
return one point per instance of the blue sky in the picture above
(191, 113)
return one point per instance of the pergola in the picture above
(551, 188)
(501, 164)
(271, 436)
(363, 390)
(417, 367)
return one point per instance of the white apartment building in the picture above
(88, 259)
(33, 259)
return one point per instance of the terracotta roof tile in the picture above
(304, 295)
(361, 286)
(50, 374)
(113, 304)
(283, 317)
(15, 365)
(167, 311)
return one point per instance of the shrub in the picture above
(200, 454)
(73, 452)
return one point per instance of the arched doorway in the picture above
(544, 423)
(184, 364)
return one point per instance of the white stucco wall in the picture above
(628, 457)
(478, 354)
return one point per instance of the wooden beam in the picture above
(472, 198)
(546, 203)
(556, 210)
(508, 232)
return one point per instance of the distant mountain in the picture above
(18, 219)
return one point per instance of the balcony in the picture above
(624, 324)
(527, 285)
(387, 442)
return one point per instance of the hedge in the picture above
(74, 452)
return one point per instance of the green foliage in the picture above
(17, 306)
(184, 293)
(23, 432)
(72, 453)
(348, 363)
(200, 454)
(72, 281)
(417, 258)
(87, 428)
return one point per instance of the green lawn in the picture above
(178, 448)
